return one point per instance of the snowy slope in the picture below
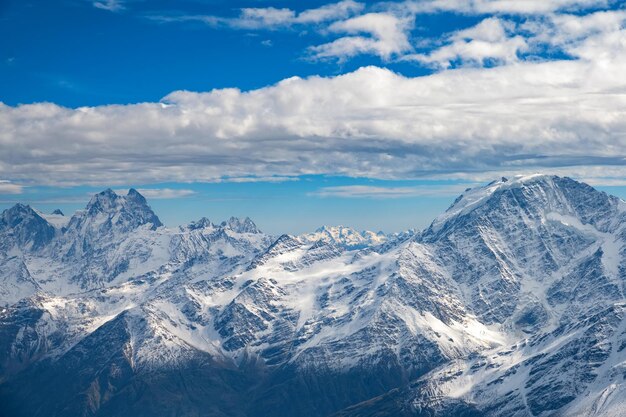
(510, 304)
(543, 258)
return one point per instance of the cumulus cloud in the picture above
(368, 123)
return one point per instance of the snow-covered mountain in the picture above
(510, 304)
(345, 237)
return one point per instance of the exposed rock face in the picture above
(510, 304)
(24, 229)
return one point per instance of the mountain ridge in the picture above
(479, 314)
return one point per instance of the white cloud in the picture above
(369, 123)
(387, 35)
(378, 192)
(595, 175)
(258, 179)
(501, 41)
(489, 30)
(385, 29)
(364, 191)
(160, 193)
(270, 17)
(597, 36)
(264, 18)
(525, 7)
(7, 187)
(568, 28)
(605, 182)
(491, 40)
(110, 5)
(255, 18)
(603, 48)
(330, 12)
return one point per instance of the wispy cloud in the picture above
(7, 187)
(161, 193)
(68, 199)
(595, 175)
(501, 41)
(272, 178)
(491, 41)
(379, 192)
(481, 7)
(110, 5)
(270, 18)
(605, 182)
(512, 30)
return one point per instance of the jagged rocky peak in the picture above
(58, 212)
(234, 224)
(108, 222)
(133, 193)
(203, 223)
(17, 214)
(535, 195)
(129, 211)
(285, 243)
(238, 225)
(103, 201)
(509, 236)
(24, 227)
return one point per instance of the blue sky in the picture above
(288, 206)
(369, 114)
(74, 54)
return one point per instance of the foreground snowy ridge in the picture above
(510, 304)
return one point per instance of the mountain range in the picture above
(511, 303)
